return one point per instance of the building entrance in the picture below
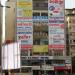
(36, 72)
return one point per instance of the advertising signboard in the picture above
(55, 10)
(56, 24)
(24, 23)
(40, 48)
(47, 67)
(40, 18)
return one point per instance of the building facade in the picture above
(70, 21)
(45, 54)
(36, 21)
(0, 31)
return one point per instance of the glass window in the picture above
(36, 14)
(50, 53)
(44, 14)
(58, 53)
(74, 41)
(36, 42)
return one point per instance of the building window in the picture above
(36, 42)
(58, 53)
(73, 34)
(36, 14)
(45, 4)
(48, 62)
(50, 53)
(58, 62)
(40, 5)
(44, 14)
(37, 5)
(74, 41)
(73, 47)
(70, 41)
(26, 70)
(69, 21)
(72, 20)
(73, 27)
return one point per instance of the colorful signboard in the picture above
(40, 48)
(56, 24)
(24, 23)
(55, 10)
(40, 18)
(47, 67)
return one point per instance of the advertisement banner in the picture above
(47, 67)
(24, 9)
(55, 10)
(56, 29)
(56, 24)
(40, 48)
(59, 68)
(24, 23)
(40, 18)
(56, 47)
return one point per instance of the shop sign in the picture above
(40, 48)
(47, 67)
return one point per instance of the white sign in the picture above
(47, 67)
(35, 67)
(55, 9)
(11, 56)
(56, 24)
(24, 23)
(68, 61)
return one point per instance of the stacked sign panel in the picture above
(56, 24)
(24, 23)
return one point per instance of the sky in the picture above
(69, 4)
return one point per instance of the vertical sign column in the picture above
(24, 23)
(56, 24)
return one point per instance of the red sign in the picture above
(26, 47)
(56, 46)
(56, 1)
(59, 68)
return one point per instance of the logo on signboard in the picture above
(51, 8)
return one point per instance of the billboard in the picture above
(40, 18)
(56, 24)
(24, 23)
(55, 10)
(40, 48)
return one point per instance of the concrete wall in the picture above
(10, 21)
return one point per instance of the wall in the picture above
(10, 21)
(0, 31)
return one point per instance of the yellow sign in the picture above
(26, 7)
(24, 0)
(40, 48)
(27, 13)
(22, 4)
